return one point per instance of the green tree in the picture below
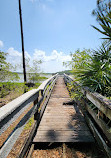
(5, 69)
(81, 59)
(80, 62)
(34, 71)
(103, 16)
(2, 65)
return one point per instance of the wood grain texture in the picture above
(62, 123)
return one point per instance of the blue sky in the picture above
(52, 29)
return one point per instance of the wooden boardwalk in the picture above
(62, 122)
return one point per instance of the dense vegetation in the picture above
(14, 87)
(92, 68)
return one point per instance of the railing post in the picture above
(42, 93)
(35, 102)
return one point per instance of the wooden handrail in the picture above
(13, 105)
(27, 97)
(101, 102)
(11, 111)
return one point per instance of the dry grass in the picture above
(72, 151)
(11, 96)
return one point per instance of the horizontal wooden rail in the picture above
(101, 102)
(10, 112)
(102, 107)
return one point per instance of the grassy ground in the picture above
(10, 91)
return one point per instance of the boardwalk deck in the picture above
(62, 123)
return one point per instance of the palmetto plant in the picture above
(103, 16)
(96, 73)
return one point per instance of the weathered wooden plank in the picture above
(61, 107)
(62, 120)
(58, 95)
(64, 133)
(62, 128)
(64, 139)
(52, 112)
(63, 123)
(58, 117)
(60, 98)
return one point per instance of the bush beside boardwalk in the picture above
(10, 91)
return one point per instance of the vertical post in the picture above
(22, 40)
(36, 115)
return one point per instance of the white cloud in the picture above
(39, 54)
(1, 44)
(55, 56)
(15, 58)
(12, 52)
(51, 63)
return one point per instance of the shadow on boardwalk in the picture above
(62, 122)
